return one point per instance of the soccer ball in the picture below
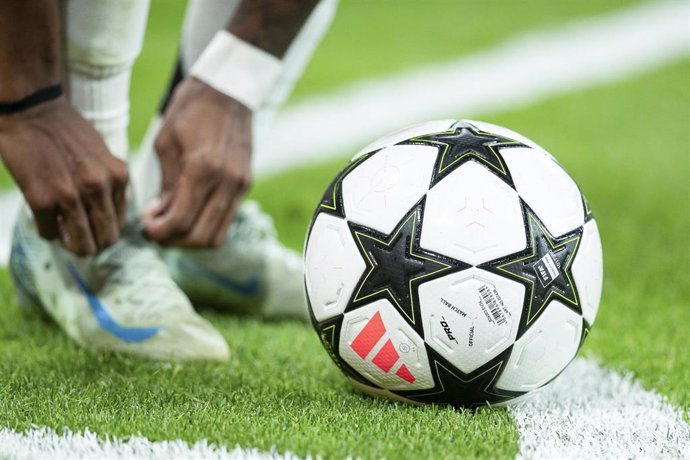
(453, 262)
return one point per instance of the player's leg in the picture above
(252, 267)
(124, 298)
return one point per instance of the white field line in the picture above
(523, 70)
(46, 443)
(593, 412)
(588, 412)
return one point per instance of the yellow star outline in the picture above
(486, 390)
(323, 335)
(372, 265)
(588, 210)
(444, 149)
(575, 300)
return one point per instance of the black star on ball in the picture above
(464, 142)
(396, 265)
(463, 390)
(545, 268)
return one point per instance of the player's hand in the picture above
(73, 185)
(204, 148)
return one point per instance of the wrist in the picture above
(19, 79)
(31, 100)
(199, 97)
(237, 69)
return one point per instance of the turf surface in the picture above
(267, 396)
(386, 36)
(627, 147)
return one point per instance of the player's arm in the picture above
(74, 187)
(205, 143)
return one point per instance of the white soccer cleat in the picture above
(121, 300)
(251, 273)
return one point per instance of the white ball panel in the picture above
(588, 271)
(398, 350)
(417, 130)
(544, 350)
(381, 190)
(332, 266)
(473, 216)
(471, 316)
(546, 188)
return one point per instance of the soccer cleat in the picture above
(251, 273)
(122, 299)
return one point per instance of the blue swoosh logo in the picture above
(107, 322)
(248, 288)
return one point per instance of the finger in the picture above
(75, 231)
(215, 211)
(221, 232)
(169, 155)
(243, 164)
(189, 195)
(119, 199)
(103, 217)
(157, 206)
(120, 180)
(46, 220)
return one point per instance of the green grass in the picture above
(386, 36)
(153, 70)
(395, 35)
(280, 389)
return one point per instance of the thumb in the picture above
(169, 155)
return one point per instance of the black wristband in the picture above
(32, 100)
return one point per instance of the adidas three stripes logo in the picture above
(387, 357)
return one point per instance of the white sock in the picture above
(104, 38)
(104, 101)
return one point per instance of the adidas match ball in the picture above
(453, 262)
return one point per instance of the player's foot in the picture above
(120, 300)
(252, 272)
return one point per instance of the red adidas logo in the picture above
(387, 356)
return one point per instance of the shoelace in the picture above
(252, 225)
(134, 271)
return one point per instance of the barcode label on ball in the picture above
(490, 301)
